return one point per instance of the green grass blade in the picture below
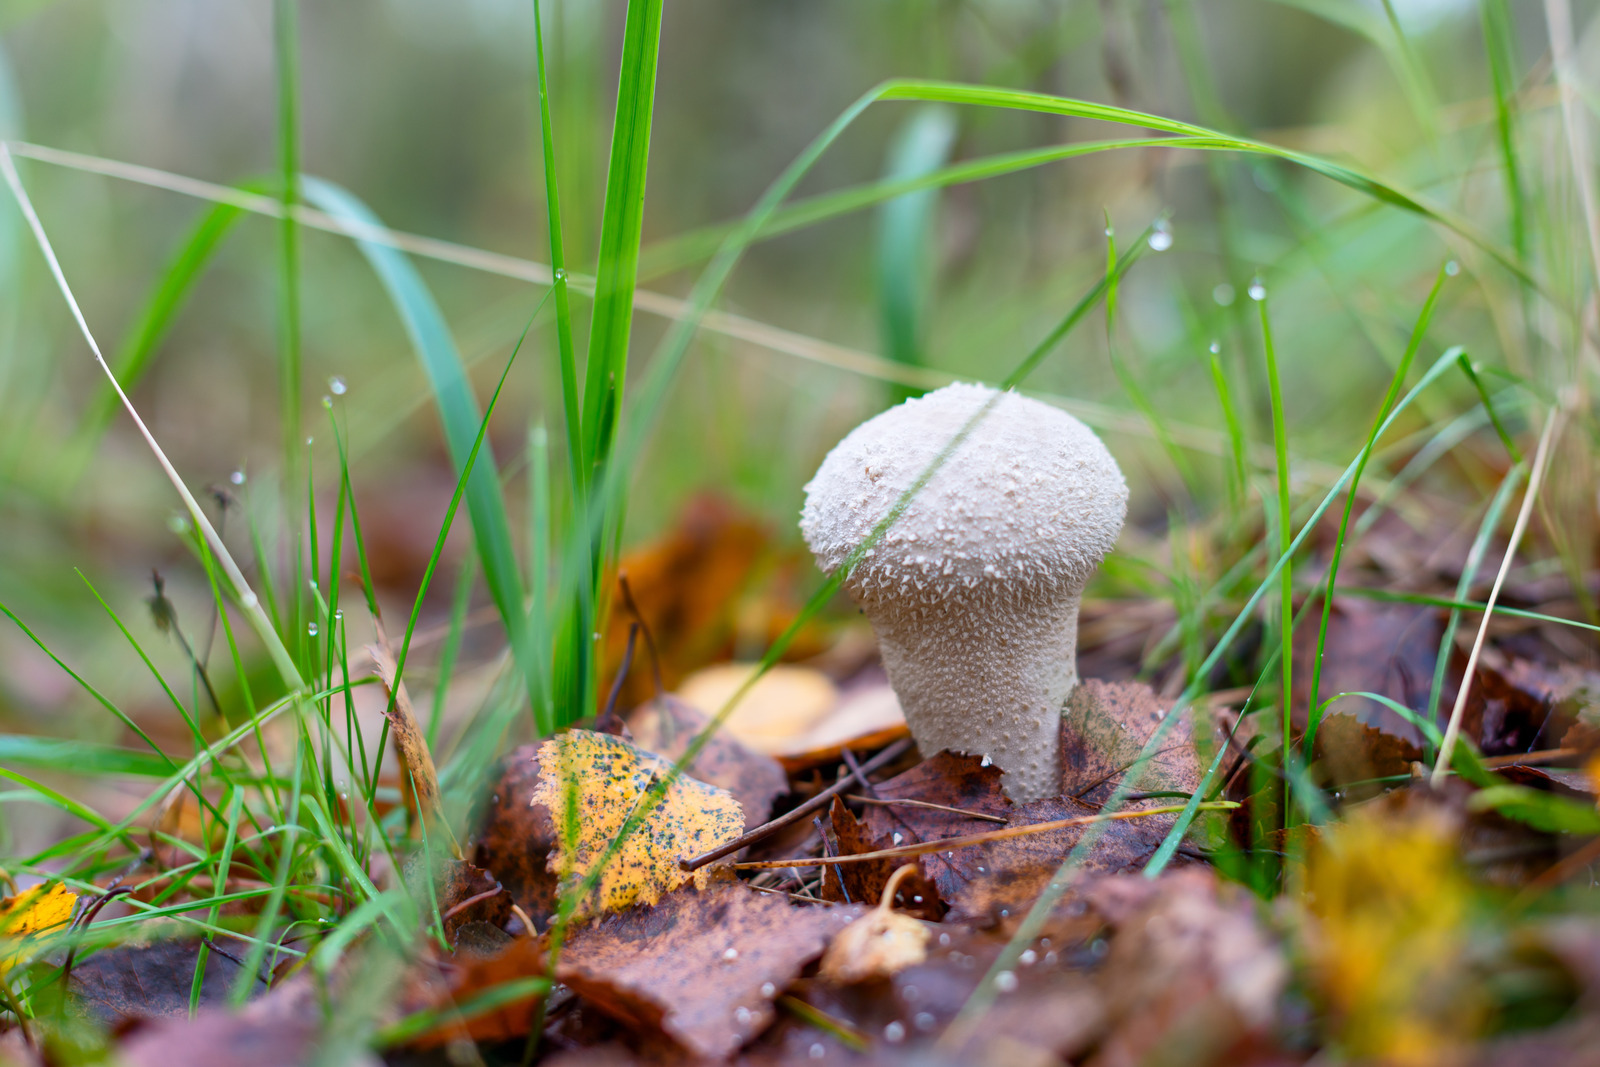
(906, 232)
(622, 223)
(80, 757)
(1396, 383)
(458, 410)
(1280, 448)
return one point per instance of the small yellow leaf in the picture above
(31, 912)
(609, 779)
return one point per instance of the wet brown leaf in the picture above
(1105, 727)
(273, 1030)
(440, 984)
(666, 727)
(609, 779)
(117, 986)
(1191, 968)
(517, 836)
(1354, 751)
(468, 893)
(701, 968)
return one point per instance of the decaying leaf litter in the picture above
(1204, 839)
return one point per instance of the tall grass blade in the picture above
(906, 230)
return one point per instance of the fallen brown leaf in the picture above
(440, 984)
(1190, 968)
(273, 1030)
(117, 986)
(701, 968)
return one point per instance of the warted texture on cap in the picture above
(974, 589)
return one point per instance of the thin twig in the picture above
(1441, 767)
(923, 848)
(644, 629)
(465, 904)
(607, 721)
(984, 816)
(882, 759)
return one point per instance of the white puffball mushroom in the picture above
(974, 589)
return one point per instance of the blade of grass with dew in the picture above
(458, 411)
(906, 225)
(1280, 448)
(1396, 384)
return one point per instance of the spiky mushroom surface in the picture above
(974, 589)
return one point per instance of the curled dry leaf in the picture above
(1191, 968)
(796, 714)
(700, 968)
(607, 780)
(667, 726)
(439, 984)
(880, 944)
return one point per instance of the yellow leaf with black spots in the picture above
(606, 780)
(33, 911)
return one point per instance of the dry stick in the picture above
(923, 848)
(882, 759)
(1441, 767)
(241, 588)
(985, 817)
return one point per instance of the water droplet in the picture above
(337, 386)
(898, 837)
(561, 274)
(1160, 238)
(314, 585)
(237, 477)
(817, 1051)
(1006, 981)
(986, 762)
(312, 629)
(894, 1033)
(327, 402)
(1258, 291)
(248, 600)
(309, 440)
(1110, 232)
(1216, 346)
(178, 524)
(742, 1016)
(1028, 958)
(1222, 294)
(768, 989)
(1452, 268)
(731, 954)
(924, 1020)
(944, 940)
(339, 615)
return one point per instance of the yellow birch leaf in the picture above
(31, 912)
(609, 779)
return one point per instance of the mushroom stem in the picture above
(952, 666)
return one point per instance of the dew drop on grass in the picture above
(309, 440)
(339, 615)
(1223, 294)
(1452, 268)
(248, 600)
(1258, 291)
(337, 386)
(1160, 238)
(1216, 346)
(312, 629)
(561, 274)
(178, 524)
(327, 401)
(1110, 232)
(237, 477)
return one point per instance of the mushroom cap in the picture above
(1030, 500)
